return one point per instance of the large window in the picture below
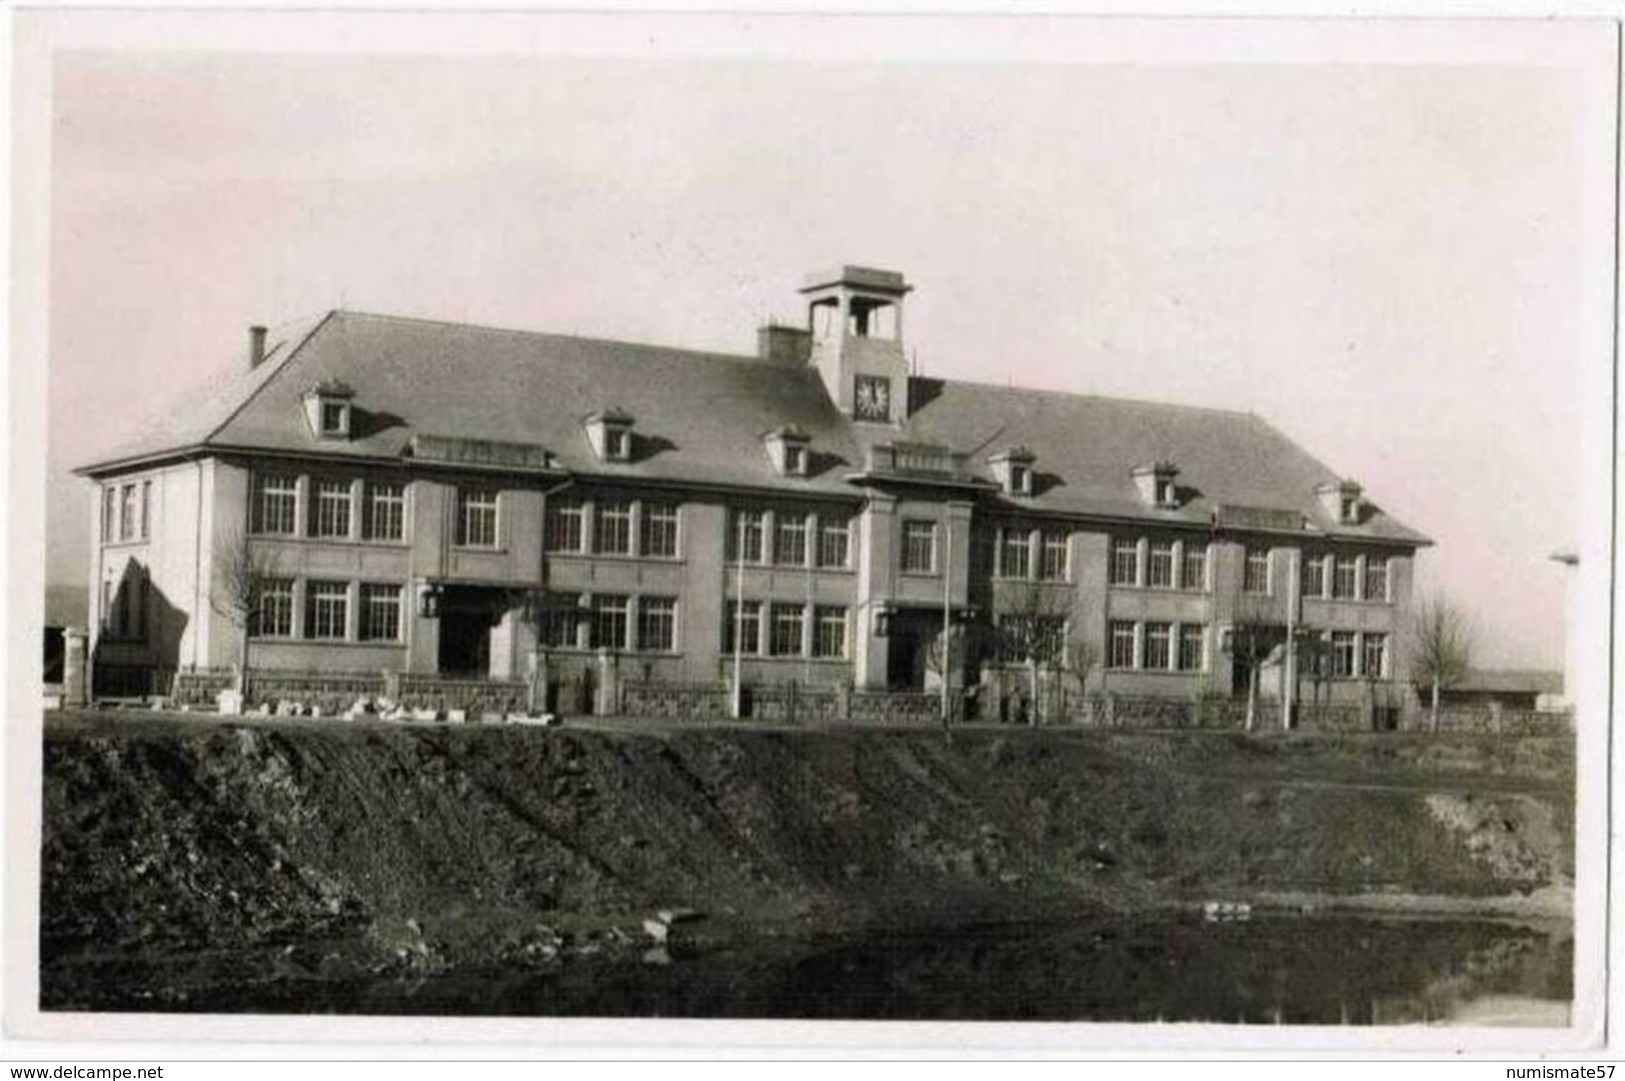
(380, 612)
(1376, 578)
(273, 617)
(829, 632)
(385, 515)
(129, 510)
(659, 529)
(566, 524)
(613, 532)
(790, 545)
(1193, 567)
(919, 547)
(1374, 656)
(559, 621)
(1314, 575)
(1192, 643)
(1345, 578)
(747, 616)
(834, 537)
(1016, 555)
(1256, 571)
(1122, 644)
(1342, 654)
(146, 509)
(657, 624)
(747, 535)
(1052, 561)
(275, 504)
(787, 628)
(1125, 561)
(109, 513)
(477, 517)
(1159, 639)
(330, 510)
(327, 609)
(1159, 572)
(608, 622)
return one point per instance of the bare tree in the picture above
(1252, 640)
(243, 575)
(537, 606)
(1031, 627)
(1438, 646)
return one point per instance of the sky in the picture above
(1386, 260)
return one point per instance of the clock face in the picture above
(872, 398)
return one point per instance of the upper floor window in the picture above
(333, 419)
(795, 459)
(747, 534)
(1016, 556)
(834, 537)
(790, 547)
(1256, 571)
(1314, 575)
(1160, 566)
(610, 433)
(275, 502)
(1193, 569)
(327, 609)
(1125, 569)
(614, 528)
(1376, 578)
(1052, 562)
(380, 612)
(659, 529)
(109, 513)
(1345, 578)
(657, 624)
(129, 523)
(330, 510)
(919, 547)
(385, 514)
(476, 517)
(327, 408)
(566, 524)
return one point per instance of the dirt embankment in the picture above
(337, 846)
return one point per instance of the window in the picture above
(560, 620)
(476, 517)
(1193, 567)
(107, 607)
(1125, 561)
(1165, 491)
(795, 459)
(1256, 572)
(613, 532)
(566, 524)
(657, 624)
(1044, 637)
(747, 530)
(275, 503)
(1345, 578)
(919, 547)
(127, 524)
(380, 612)
(109, 513)
(1374, 656)
(787, 622)
(608, 622)
(790, 546)
(385, 511)
(327, 609)
(1314, 575)
(1159, 645)
(617, 444)
(748, 618)
(1192, 643)
(273, 616)
(1159, 571)
(1016, 556)
(1052, 564)
(1020, 480)
(146, 509)
(834, 535)
(829, 632)
(333, 419)
(1122, 644)
(1342, 654)
(659, 529)
(330, 512)
(1376, 578)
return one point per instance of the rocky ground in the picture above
(266, 850)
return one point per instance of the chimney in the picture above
(256, 347)
(784, 345)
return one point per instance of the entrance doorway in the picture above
(467, 616)
(911, 635)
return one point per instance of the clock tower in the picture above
(855, 316)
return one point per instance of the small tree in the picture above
(1031, 627)
(1438, 643)
(1253, 639)
(243, 575)
(537, 605)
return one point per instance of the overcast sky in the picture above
(1383, 260)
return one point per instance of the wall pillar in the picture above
(75, 672)
(609, 679)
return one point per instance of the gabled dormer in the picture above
(329, 409)
(787, 446)
(1013, 469)
(610, 433)
(1156, 486)
(1342, 501)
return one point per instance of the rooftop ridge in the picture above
(1075, 395)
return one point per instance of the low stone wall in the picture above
(1144, 712)
(474, 697)
(198, 686)
(330, 692)
(791, 703)
(1497, 722)
(675, 701)
(903, 707)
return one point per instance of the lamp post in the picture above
(737, 703)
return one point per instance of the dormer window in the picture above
(610, 432)
(1341, 501)
(1157, 484)
(1014, 470)
(328, 409)
(787, 446)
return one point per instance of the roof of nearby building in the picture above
(1508, 681)
(67, 606)
(701, 417)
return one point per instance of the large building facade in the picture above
(431, 498)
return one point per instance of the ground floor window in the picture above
(1159, 645)
(1192, 639)
(559, 621)
(327, 609)
(1122, 644)
(273, 616)
(380, 612)
(787, 625)
(657, 624)
(746, 618)
(829, 638)
(1342, 654)
(608, 622)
